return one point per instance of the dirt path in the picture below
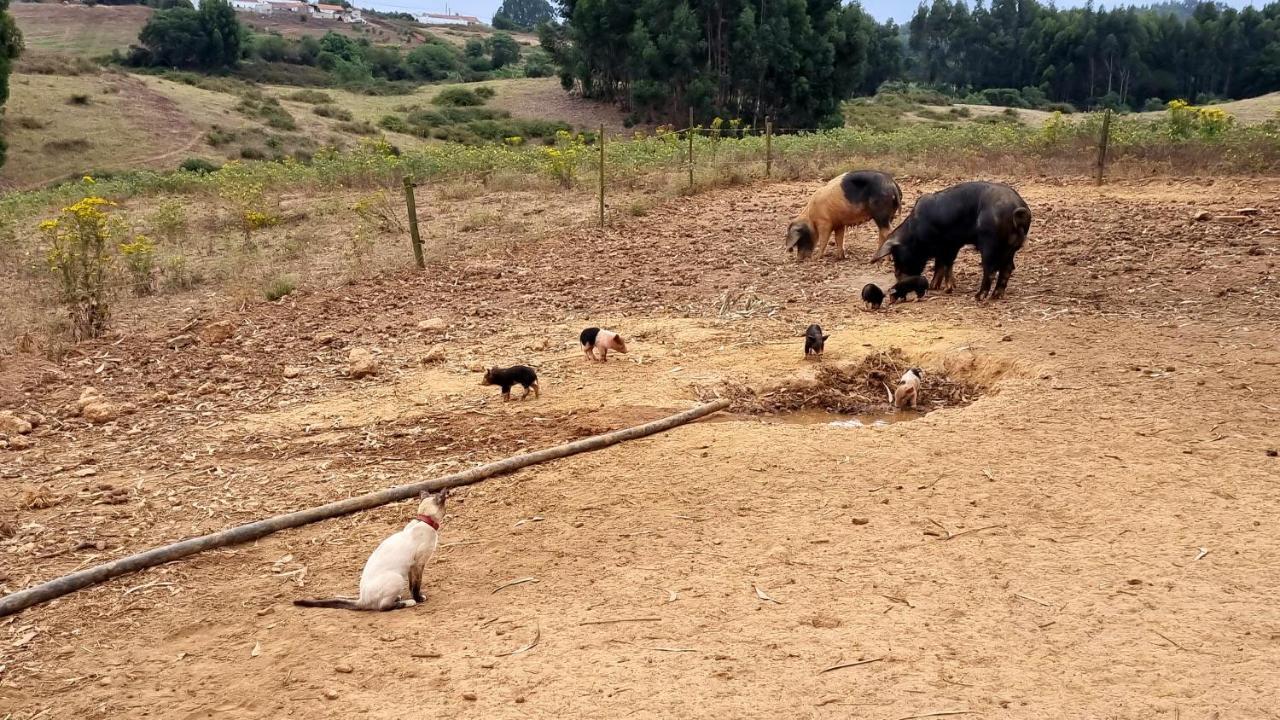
(1089, 538)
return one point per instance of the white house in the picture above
(326, 12)
(441, 19)
(352, 15)
(258, 6)
(292, 6)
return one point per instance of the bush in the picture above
(486, 92)
(198, 165)
(280, 286)
(1008, 97)
(363, 127)
(79, 242)
(250, 152)
(1065, 108)
(30, 123)
(78, 99)
(217, 137)
(395, 123)
(433, 61)
(311, 97)
(1153, 105)
(67, 146)
(455, 96)
(332, 111)
(140, 260)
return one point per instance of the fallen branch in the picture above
(938, 714)
(621, 620)
(18, 601)
(966, 532)
(841, 666)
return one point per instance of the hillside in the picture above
(58, 126)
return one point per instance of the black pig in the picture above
(990, 216)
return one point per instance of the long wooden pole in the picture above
(768, 147)
(18, 601)
(1102, 145)
(601, 137)
(411, 205)
(691, 150)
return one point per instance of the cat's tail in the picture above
(336, 603)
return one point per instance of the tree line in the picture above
(796, 60)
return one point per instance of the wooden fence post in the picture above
(412, 206)
(1102, 145)
(690, 149)
(601, 140)
(768, 147)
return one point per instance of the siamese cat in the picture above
(398, 561)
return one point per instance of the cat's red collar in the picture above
(428, 520)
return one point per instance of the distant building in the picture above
(440, 19)
(352, 15)
(326, 12)
(258, 6)
(291, 6)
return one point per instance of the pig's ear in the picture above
(793, 235)
(885, 248)
(824, 338)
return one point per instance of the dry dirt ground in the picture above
(1092, 537)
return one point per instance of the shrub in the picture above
(169, 221)
(79, 256)
(395, 123)
(66, 146)
(198, 165)
(363, 127)
(30, 123)
(280, 286)
(140, 260)
(312, 97)
(176, 275)
(332, 111)
(1065, 108)
(1154, 104)
(249, 152)
(1008, 97)
(486, 92)
(455, 96)
(78, 99)
(217, 137)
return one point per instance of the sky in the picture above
(899, 10)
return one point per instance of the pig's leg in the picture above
(1002, 281)
(824, 236)
(537, 393)
(590, 352)
(989, 267)
(840, 243)
(526, 392)
(604, 354)
(506, 394)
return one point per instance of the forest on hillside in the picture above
(796, 60)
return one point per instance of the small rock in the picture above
(1135, 581)
(1273, 453)
(778, 553)
(11, 424)
(331, 694)
(218, 332)
(1202, 216)
(207, 388)
(1248, 211)
(100, 412)
(291, 371)
(1007, 338)
(361, 363)
(469, 696)
(519, 699)
(343, 668)
(540, 344)
(20, 442)
(825, 621)
(35, 418)
(89, 395)
(326, 338)
(160, 398)
(860, 520)
(434, 325)
(181, 341)
(434, 355)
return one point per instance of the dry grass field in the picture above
(1082, 532)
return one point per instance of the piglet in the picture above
(814, 340)
(593, 339)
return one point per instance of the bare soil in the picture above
(1090, 535)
